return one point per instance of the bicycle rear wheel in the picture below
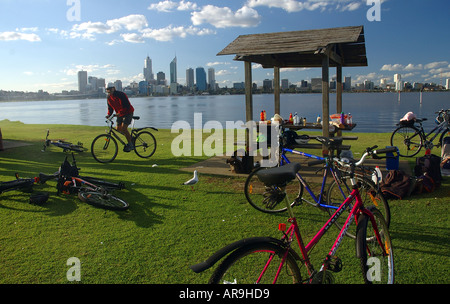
(270, 198)
(257, 263)
(408, 140)
(104, 148)
(144, 144)
(377, 258)
(103, 200)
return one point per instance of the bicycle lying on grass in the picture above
(268, 198)
(104, 147)
(26, 185)
(269, 260)
(410, 136)
(65, 145)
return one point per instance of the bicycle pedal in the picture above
(334, 264)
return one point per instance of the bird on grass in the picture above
(192, 181)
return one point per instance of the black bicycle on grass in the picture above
(410, 136)
(65, 145)
(104, 148)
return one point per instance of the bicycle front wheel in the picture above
(408, 140)
(377, 258)
(103, 200)
(104, 148)
(144, 144)
(269, 198)
(259, 264)
(370, 195)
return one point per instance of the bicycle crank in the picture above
(322, 277)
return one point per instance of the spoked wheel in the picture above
(377, 258)
(269, 198)
(408, 140)
(104, 148)
(144, 144)
(103, 200)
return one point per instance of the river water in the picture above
(372, 112)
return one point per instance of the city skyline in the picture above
(45, 45)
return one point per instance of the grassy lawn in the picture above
(168, 226)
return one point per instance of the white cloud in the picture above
(223, 17)
(292, 6)
(132, 37)
(170, 32)
(168, 6)
(12, 36)
(131, 23)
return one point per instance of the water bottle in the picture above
(377, 177)
(296, 119)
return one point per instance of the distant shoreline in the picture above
(79, 97)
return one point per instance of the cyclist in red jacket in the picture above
(118, 101)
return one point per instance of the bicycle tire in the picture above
(382, 270)
(103, 200)
(144, 144)
(104, 148)
(371, 195)
(244, 265)
(269, 199)
(408, 140)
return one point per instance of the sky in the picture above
(44, 43)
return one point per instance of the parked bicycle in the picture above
(410, 136)
(91, 190)
(268, 198)
(65, 145)
(269, 260)
(104, 148)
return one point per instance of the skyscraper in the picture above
(200, 79)
(173, 71)
(82, 81)
(190, 78)
(212, 79)
(148, 73)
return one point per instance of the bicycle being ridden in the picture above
(260, 260)
(410, 136)
(104, 147)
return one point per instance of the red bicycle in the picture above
(269, 260)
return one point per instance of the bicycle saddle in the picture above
(278, 175)
(136, 117)
(330, 142)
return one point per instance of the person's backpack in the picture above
(396, 184)
(428, 167)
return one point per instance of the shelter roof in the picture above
(344, 45)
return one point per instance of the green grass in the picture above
(169, 227)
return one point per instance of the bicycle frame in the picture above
(439, 128)
(112, 131)
(294, 231)
(328, 169)
(72, 183)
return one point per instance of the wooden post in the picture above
(248, 109)
(325, 96)
(339, 92)
(276, 80)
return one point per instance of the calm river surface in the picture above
(372, 112)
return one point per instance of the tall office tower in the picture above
(212, 79)
(200, 79)
(398, 82)
(148, 73)
(190, 78)
(101, 83)
(161, 78)
(347, 83)
(284, 84)
(173, 71)
(82, 81)
(118, 85)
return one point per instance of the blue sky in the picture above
(44, 43)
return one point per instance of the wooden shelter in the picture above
(333, 47)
